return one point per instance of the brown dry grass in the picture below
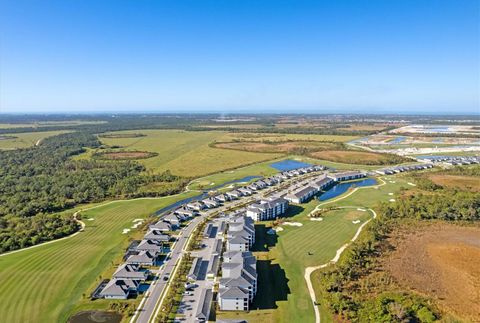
(350, 157)
(443, 262)
(468, 183)
(274, 147)
(127, 155)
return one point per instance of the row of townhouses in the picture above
(238, 284)
(141, 255)
(403, 168)
(452, 160)
(305, 190)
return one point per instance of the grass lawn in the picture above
(282, 293)
(186, 153)
(25, 140)
(45, 284)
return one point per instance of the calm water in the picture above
(397, 140)
(341, 188)
(289, 164)
(96, 317)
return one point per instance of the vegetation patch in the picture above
(7, 137)
(468, 183)
(124, 155)
(287, 147)
(359, 157)
(122, 135)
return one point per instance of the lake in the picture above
(341, 188)
(289, 164)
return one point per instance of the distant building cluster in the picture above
(452, 160)
(403, 168)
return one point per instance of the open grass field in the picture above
(282, 259)
(187, 153)
(284, 137)
(25, 140)
(276, 147)
(46, 283)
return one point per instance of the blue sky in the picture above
(240, 56)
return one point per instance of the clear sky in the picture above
(402, 56)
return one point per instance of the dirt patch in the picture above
(122, 155)
(122, 135)
(467, 183)
(442, 262)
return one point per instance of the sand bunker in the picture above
(90, 219)
(361, 210)
(138, 220)
(125, 231)
(390, 194)
(316, 219)
(293, 224)
(411, 184)
(392, 200)
(356, 221)
(278, 229)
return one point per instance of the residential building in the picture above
(119, 288)
(267, 209)
(346, 176)
(143, 258)
(130, 271)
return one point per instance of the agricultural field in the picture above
(186, 153)
(50, 282)
(25, 140)
(49, 124)
(282, 258)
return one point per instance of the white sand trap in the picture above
(138, 220)
(411, 184)
(316, 219)
(393, 182)
(278, 229)
(362, 210)
(90, 219)
(230, 186)
(212, 183)
(125, 231)
(231, 172)
(390, 194)
(293, 224)
(136, 225)
(356, 221)
(392, 200)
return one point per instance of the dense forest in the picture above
(45, 179)
(356, 290)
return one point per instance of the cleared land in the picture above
(468, 183)
(186, 153)
(25, 140)
(120, 155)
(443, 262)
(45, 284)
(282, 259)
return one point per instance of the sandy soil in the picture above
(443, 262)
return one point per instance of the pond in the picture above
(397, 140)
(289, 164)
(341, 188)
(96, 317)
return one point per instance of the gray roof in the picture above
(204, 304)
(130, 271)
(156, 235)
(233, 292)
(119, 287)
(143, 257)
(150, 245)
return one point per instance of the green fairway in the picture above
(46, 283)
(24, 140)
(282, 291)
(186, 153)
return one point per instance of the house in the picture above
(245, 191)
(184, 213)
(196, 206)
(301, 195)
(155, 247)
(143, 258)
(233, 195)
(217, 247)
(204, 305)
(267, 209)
(222, 198)
(210, 203)
(161, 226)
(130, 271)
(346, 176)
(172, 219)
(156, 235)
(119, 288)
(322, 182)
